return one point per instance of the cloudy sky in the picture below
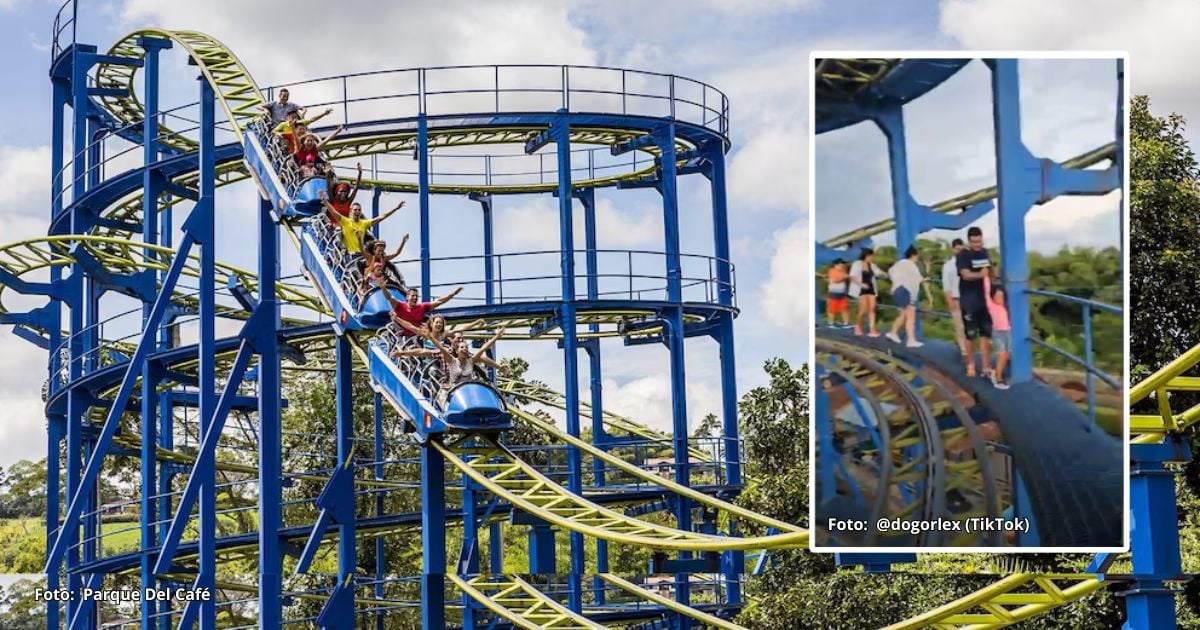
(755, 51)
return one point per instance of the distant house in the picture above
(664, 585)
(665, 466)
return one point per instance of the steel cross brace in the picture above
(206, 457)
(826, 255)
(337, 506)
(146, 342)
(338, 607)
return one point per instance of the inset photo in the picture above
(970, 306)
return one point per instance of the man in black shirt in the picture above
(974, 265)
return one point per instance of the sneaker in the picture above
(914, 344)
(1000, 384)
(873, 333)
(858, 330)
(893, 337)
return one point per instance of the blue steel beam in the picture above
(132, 372)
(270, 450)
(205, 214)
(205, 458)
(347, 540)
(587, 198)
(561, 133)
(664, 137)
(1154, 534)
(433, 539)
(423, 202)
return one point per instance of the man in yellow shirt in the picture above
(355, 228)
(286, 130)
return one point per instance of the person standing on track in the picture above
(950, 291)
(906, 287)
(974, 266)
(1001, 330)
(864, 275)
(836, 303)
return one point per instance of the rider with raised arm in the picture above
(355, 228)
(343, 194)
(413, 310)
(294, 125)
(460, 363)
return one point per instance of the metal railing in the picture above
(483, 89)
(1089, 309)
(620, 274)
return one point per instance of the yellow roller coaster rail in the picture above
(520, 603)
(502, 473)
(1015, 598)
(670, 604)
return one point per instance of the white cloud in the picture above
(770, 169)
(533, 225)
(781, 297)
(24, 175)
(1156, 33)
(648, 400)
(265, 36)
(760, 6)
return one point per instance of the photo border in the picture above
(810, 283)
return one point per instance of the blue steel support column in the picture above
(1153, 534)
(380, 551)
(890, 121)
(489, 251)
(470, 548)
(166, 417)
(270, 427)
(433, 539)
(347, 529)
(1011, 157)
(423, 199)
(587, 197)
(561, 132)
(735, 561)
(206, 211)
(665, 139)
(76, 401)
(150, 402)
(55, 426)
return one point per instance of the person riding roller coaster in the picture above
(356, 228)
(412, 311)
(294, 125)
(461, 364)
(279, 110)
(311, 145)
(380, 269)
(344, 194)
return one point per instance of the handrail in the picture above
(713, 115)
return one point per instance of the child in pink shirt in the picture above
(997, 305)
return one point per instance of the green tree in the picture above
(19, 610)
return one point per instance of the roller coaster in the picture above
(291, 529)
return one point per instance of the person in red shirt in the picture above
(343, 194)
(413, 310)
(311, 144)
